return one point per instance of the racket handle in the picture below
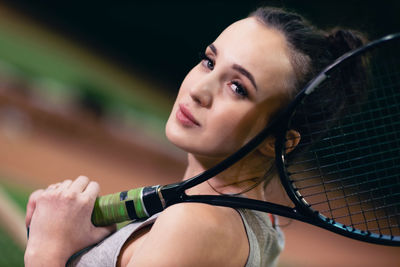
(138, 203)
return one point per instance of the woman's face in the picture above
(231, 94)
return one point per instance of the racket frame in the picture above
(301, 205)
(302, 210)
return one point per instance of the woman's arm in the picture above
(193, 234)
(59, 219)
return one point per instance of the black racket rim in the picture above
(300, 204)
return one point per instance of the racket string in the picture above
(397, 123)
(359, 203)
(359, 113)
(343, 126)
(367, 210)
(369, 138)
(351, 165)
(343, 188)
(367, 218)
(358, 174)
(313, 177)
(319, 170)
(347, 166)
(349, 195)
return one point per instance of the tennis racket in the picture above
(343, 176)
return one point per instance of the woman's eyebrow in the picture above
(213, 48)
(245, 73)
(237, 67)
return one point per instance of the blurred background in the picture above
(86, 88)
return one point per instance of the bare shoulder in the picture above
(196, 235)
(201, 217)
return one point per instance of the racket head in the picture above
(345, 172)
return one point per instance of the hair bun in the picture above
(342, 41)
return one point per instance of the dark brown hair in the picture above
(311, 50)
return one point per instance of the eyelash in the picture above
(204, 57)
(240, 90)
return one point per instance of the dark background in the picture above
(161, 39)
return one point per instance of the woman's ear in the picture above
(268, 146)
(292, 140)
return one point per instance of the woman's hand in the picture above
(59, 219)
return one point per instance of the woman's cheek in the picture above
(171, 130)
(230, 127)
(246, 126)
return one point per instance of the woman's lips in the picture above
(185, 117)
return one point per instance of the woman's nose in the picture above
(203, 92)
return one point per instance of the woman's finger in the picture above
(80, 184)
(92, 190)
(64, 185)
(52, 186)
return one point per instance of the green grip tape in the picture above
(110, 209)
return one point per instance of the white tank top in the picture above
(265, 240)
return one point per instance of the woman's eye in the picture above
(238, 89)
(206, 61)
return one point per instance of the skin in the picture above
(228, 110)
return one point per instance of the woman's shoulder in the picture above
(202, 216)
(195, 234)
(199, 219)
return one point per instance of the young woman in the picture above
(250, 72)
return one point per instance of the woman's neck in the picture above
(238, 178)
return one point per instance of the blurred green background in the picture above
(97, 79)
